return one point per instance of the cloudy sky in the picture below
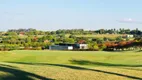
(68, 14)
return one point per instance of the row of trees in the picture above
(34, 39)
(75, 31)
(124, 45)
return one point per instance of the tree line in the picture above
(16, 39)
(77, 31)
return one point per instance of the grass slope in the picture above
(70, 65)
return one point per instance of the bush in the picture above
(9, 47)
(37, 48)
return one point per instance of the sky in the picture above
(70, 14)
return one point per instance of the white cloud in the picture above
(129, 20)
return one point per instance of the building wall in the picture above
(83, 46)
(130, 36)
(57, 47)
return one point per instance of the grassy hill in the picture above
(70, 65)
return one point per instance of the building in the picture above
(64, 46)
(59, 47)
(82, 46)
(130, 36)
(127, 36)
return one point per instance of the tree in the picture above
(69, 40)
(72, 36)
(28, 40)
(102, 46)
(100, 40)
(119, 38)
(93, 46)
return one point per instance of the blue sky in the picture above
(68, 14)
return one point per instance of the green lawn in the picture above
(70, 65)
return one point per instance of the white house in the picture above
(83, 46)
(129, 36)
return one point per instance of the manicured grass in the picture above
(70, 65)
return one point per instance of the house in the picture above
(22, 33)
(58, 47)
(82, 46)
(127, 36)
(130, 36)
(61, 46)
(64, 46)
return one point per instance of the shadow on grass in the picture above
(135, 69)
(138, 51)
(116, 51)
(85, 62)
(17, 74)
(81, 68)
(5, 65)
